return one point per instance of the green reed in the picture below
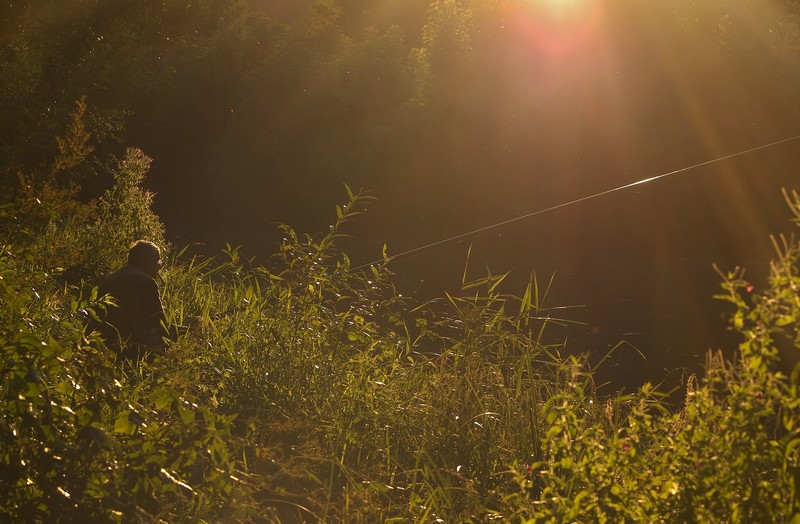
(309, 391)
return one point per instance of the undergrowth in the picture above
(312, 391)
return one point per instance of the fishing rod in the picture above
(492, 227)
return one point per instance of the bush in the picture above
(732, 453)
(82, 441)
(63, 232)
(124, 216)
(315, 391)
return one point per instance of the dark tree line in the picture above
(258, 111)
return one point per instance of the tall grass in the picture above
(311, 391)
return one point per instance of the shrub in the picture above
(61, 231)
(124, 215)
(730, 454)
(82, 441)
(315, 391)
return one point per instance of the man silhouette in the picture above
(135, 325)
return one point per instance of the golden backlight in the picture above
(561, 9)
(558, 27)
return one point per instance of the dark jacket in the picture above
(136, 324)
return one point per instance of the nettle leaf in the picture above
(164, 397)
(186, 413)
(123, 424)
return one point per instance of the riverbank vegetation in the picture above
(312, 389)
(315, 392)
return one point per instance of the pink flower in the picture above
(626, 446)
(749, 288)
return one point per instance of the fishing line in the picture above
(463, 236)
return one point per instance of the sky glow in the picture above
(561, 9)
(559, 27)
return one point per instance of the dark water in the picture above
(639, 100)
(639, 262)
(636, 264)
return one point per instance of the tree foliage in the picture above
(342, 89)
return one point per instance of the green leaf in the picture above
(163, 397)
(123, 424)
(186, 414)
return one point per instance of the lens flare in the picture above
(561, 9)
(558, 27)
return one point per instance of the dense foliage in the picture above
(418, 98)
(310, 389)
(315, 392)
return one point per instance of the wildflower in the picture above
(750, 288)
(626, 446)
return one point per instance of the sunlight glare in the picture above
(561, 10)
(559, 27)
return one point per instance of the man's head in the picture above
(146, 256)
